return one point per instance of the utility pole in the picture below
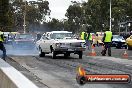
(110, 15)
(24, 19)
(119, 29)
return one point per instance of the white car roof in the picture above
(59, 32)
(6, 32)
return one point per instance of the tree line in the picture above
(12, 13)
(93, 14)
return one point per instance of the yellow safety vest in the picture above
(1, 40)
(108, 36)
(90, 37)
(82, 35)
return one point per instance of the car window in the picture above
(24, 36)
(44, 37)
(61, 35)
(118, 37)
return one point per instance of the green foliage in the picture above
(55, 24)
(5, 17)
(74, 14)
(96, 13)
(35, 12)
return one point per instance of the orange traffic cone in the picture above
(92, 53)
(125, 55)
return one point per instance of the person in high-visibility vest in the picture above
(2, 45)
(83, 35)
(89, 39)
(107, 39)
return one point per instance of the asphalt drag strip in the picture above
(61, 73)
(26, 73)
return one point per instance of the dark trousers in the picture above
(89, 44)
(3, 49)
(107, 46)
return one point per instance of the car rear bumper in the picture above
(63, 49)
(122, 44)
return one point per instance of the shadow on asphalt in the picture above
(60, 57)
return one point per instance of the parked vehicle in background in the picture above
(60, 42)
(129, 42)
(9, 37)
(6, 34)
(118, 41)
(24, 41)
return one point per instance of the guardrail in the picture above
(11, 78)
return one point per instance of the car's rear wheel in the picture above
(125, 47)
(80, 54)
(128, 47)
(118, 46)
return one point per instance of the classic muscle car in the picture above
(60, 42)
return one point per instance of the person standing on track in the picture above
(2, 45)
(107, 39)
(89, 39)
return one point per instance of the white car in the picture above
(60, 42)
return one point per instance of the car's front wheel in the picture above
(41, 54)
(66, 55)
(54, 54)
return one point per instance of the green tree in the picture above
(96, 13)
(5, 15)
(74, 15)
(55, 24)
(35, 12)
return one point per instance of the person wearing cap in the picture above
(2, 45)
(107, 39)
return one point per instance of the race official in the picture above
(107, 39)
(2, 45)
(89, 40)
(83, 35)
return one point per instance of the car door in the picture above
(45, 44)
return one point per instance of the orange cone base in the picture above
(125, 56)
(92, 54)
